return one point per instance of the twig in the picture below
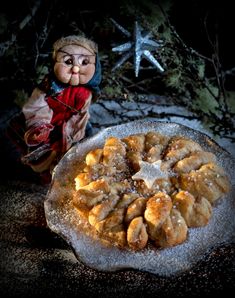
(4, 46)
(134, 84)
(186, 47)
(230, 72)
(219, 75)
(28, 18)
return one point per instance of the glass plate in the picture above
(63, 219)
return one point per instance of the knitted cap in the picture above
(75, 40)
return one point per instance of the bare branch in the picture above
(28, 18)
(186, 47)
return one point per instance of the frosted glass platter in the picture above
(63, 219)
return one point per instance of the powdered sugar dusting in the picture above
(63, 218)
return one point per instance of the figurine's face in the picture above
(74, 65)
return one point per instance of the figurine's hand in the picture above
(38, 134)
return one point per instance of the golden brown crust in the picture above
(208, 181)
(135, 209)
(194, 161)
(121, 210)
(178, 148)
(154, 146)
(196, 213)
(135, 142)
(113, 219)
(173, 231)
(82, 179)
(94, 157)
(134, 158)
(102, 210)
(157, 210)
(113, 153)
(137, 236)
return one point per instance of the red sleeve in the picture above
(68, 103)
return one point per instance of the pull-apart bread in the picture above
(147, 189)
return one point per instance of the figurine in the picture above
(56, 114)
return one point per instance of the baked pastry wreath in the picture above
(147, 188)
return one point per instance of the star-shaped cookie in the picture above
(149, 172)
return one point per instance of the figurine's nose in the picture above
(75, 69)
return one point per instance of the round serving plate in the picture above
(63, 219)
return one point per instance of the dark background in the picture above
(28, 29)
(197, 22)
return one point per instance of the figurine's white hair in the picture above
(76, 40)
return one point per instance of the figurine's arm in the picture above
(38, 116)
(74, 129)
(36, 109)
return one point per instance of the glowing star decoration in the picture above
(139, 47)
(149, 172)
